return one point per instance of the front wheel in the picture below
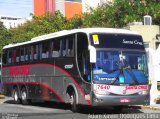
(74, 105)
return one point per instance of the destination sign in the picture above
(117, 41)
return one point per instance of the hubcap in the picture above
(15, 96)
(23, 95)
(72, 99)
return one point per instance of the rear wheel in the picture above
(24, 97)
(16, 96)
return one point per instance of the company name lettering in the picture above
(15, 71)
(144, 87)
(135, 42)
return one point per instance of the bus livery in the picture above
(90, 66)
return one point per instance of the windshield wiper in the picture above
(121, 71)
(133, 76)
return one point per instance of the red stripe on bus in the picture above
(52, 65)
(79, 87)
(43, 85)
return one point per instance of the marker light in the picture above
(121, 78)
(100, 92)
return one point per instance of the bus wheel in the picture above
(16, 96)
(24, 96)
(74, 105)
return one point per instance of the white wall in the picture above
(12, 22)
(87, 4)
(59, 5)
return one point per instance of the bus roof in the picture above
(67, 32)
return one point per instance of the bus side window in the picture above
(4, 58)
(26, 53)
(45, 50)
(9, 55)
(22, 54)
(14, 56)
(17, 54)
(63, 47)
(35, 52)
(56, 48)
(70, 49)
(31, 50)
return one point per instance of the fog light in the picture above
(100, 92)
(144, 92)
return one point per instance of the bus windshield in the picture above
(120, 67)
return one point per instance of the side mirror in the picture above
(92, 52)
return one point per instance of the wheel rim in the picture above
(15, 96)
(72, 100)
(24, 95)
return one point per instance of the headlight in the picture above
(144, 92)
(100, 92)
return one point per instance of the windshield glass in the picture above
(120, 67)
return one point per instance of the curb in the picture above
(157, 108)
(2, 96)
(151, 107)
(2, 99)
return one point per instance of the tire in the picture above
(16, 96)
(24, 97)
(74, 106)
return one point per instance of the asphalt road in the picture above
(9, 110)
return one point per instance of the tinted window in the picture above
(56, 48)
(45, 50)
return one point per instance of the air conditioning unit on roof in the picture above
(147, 20)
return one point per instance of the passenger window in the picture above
(31, 52)
(35, 52)
(56, 48)
(4, 57)
(63, 47)
(70, 49)
(22, 54)
(17, 54)
(45, 50)
(68, 46)
(9, 55)
(14, 56)
(26, 53)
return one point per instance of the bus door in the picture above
(83, 61)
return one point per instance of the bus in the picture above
(88, 66)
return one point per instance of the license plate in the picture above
(125, 100)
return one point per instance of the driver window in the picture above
(83, 56)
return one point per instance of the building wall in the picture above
(12, 22)
(49, 6)
(59, 5)
(72, 8)
(68, 8)
(87, 4)
(39, 7)
(148, 33)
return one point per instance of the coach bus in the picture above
(89, 66)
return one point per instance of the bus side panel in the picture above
(5, 79)
(46, 81)
(71, 77)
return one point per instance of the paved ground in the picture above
(9, 110)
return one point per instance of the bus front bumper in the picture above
(112, 100)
